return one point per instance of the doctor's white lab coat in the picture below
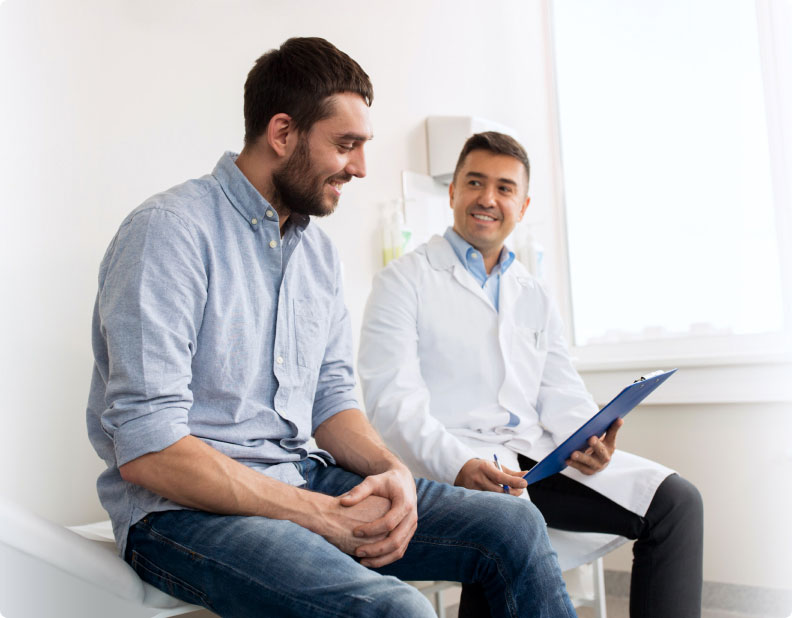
(447, 378)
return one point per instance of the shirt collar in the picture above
(466, 252)
(244, 197)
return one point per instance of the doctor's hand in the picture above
(599, 452)
(398, 524)
(482, 474)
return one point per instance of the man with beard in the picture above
(222, 344)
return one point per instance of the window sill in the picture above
(736, 378)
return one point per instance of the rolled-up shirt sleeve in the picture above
(150, 305)
(336, 383)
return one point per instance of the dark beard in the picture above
(295, 186)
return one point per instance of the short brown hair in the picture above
(496, 143)
(297, 79)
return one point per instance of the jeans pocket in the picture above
(167, 582)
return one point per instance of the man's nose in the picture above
(487, 197)
(357, 163)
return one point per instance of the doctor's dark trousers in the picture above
(667, 554)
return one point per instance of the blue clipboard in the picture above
(597, 425)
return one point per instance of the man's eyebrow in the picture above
(355, 137)
(508, 181)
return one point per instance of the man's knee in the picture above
(400, 601)
(509, 523)
(677, 505)
(523, 512)
(682, 495)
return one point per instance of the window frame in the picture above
(716, 368)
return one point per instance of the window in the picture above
(674, 176)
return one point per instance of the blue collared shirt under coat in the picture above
(208, 323)
(473, 262)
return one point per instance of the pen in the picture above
(497, 465)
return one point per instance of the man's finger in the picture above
(386, 524)
(586, 464)
(581, 459)
(610, 435)
(516, 478)
(587, 470)
(600, 451)
(372, 539)
(506, 477)
(356, 494)
(381, 547)
(383, 525)
(382, 560)
(398, 538)
(390, 549)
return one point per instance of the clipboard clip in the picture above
(649, 375)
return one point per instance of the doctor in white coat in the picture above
(462, 357)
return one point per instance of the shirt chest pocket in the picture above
(309, 329)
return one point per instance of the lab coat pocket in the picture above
(308, 328)
(529, 350)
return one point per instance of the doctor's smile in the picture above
(483, 217)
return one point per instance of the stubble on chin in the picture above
(296, 188)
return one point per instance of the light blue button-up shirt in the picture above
(473, 262)
(208, 323)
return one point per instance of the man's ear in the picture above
(451, 195)
(524, 208)
(279, 128)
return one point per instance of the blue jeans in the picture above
(240, 566)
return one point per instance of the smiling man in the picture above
(462, 357)
(222, 344)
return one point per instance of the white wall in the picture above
(105, 102)
(740, 458)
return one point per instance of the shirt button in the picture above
(254, 220)
(279, 360)
(474, 255)
(269, 214)
(273, 244)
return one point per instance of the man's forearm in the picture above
(193, 474)
(355, 445)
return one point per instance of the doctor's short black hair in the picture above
(297, 79)
(496, 143)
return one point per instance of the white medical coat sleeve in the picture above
(563, 403)
(395, 394)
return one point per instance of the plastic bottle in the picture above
(387, 242)
(396, 235)
(401, 234)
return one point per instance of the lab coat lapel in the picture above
(441, 256)
(512, 284)
(466, 280)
